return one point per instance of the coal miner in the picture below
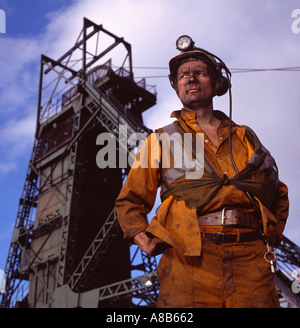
(222, 203)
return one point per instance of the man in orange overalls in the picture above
(211, 227)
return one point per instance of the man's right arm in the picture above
(138, 195)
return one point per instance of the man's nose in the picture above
(192, 78)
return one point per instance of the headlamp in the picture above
(185, 43)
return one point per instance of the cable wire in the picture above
(232, 70)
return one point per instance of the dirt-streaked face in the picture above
(195, 85)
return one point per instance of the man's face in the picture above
(194, 85)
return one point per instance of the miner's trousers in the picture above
(232, 275)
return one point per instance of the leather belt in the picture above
(230, 217)
(221, 238)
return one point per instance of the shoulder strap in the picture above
(207, 165)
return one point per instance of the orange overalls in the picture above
(196, 273)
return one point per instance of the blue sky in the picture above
(245, 34)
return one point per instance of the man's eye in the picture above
(183, 76)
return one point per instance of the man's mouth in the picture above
(193, 90)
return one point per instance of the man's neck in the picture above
(208, 122)
(205, 115)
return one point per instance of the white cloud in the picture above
(16, 140)
(18, 63)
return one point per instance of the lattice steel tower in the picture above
(67, 248)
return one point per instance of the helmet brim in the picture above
(176, 61)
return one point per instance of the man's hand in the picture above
(151, 246)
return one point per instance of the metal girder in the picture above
(96, 29)
(114, 112)
(287, 265)
(286, 295)
(98, 246)
(70, 190)
(23, 225)
(145, 287)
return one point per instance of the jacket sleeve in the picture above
(280, 208)
(138, 193)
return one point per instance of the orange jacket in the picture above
(175, 222)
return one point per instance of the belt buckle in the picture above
(223, 216)
(218, 238)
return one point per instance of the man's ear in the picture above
(217, 86)
(221, 86)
